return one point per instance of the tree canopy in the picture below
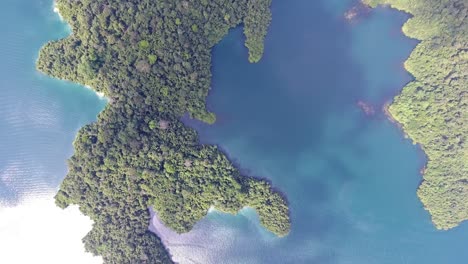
(433, 109)
(152, 60)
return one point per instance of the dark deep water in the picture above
(294, 118)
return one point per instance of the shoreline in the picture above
(171, 239)
(57, 11)
(155, 226)
(101, 95)
(356, 12)
(392, 119)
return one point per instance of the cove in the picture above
(295, 118)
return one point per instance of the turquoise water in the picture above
(39, 116)
(350, 178)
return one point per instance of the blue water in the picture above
(350, 178)
(39, 116)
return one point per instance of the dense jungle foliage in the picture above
(151, 58)
(433, 109)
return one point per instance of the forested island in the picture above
(152, 60)
(433, 109)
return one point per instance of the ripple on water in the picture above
(39, 118)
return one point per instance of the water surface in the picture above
(295, 118)
(39, 118)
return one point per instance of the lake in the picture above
(308, 118)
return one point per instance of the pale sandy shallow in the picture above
(57, 11)
(99, 94)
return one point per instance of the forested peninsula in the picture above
(433, 109)
(152, 60)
